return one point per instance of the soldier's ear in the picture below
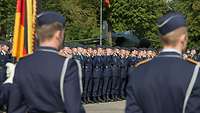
(182, 38)
(58, 35)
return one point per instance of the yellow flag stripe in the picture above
(30, 25)
(16, 34)
(21, 42)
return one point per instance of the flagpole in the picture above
(101, 21)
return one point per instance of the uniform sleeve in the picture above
(4, 94)
(16, 101)
(132, 105)
(72, 92)
(2, 98)
(193, 105)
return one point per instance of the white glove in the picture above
(10, 72)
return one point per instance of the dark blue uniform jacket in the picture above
(159, 86)
(37, 84)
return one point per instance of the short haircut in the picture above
(173, 37)
(46, 32)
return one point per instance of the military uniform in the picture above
(198, 58)
(5, 88)
(107, 78)
(87, 88)
(123, 77)
(4, 58)
(4, 95)
(115, 77)
(132, 61)
(97, 77)
(160, 85)
(37, 81)
(82, 60)
(40, 87)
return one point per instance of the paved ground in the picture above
(116, 107)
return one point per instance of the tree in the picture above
(7, 15)
(190, 8)
(81, 17)
(141, 16)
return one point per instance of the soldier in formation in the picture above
(5, 77)
(105, 70)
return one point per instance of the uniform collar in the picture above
(47, 48)
(171, 50)
(170, 53)
(4, 53)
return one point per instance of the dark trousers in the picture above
(115, 90)
(109, 87)
(97, 82)
(85, 87)
(116, 80)
(2, 75)
(123, 87)
(107, 82)
(95, 90)
(101, 84)
(87, 84)
(89, 89)
(123, 81)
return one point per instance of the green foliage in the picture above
(83, 17)
(141, 16)
(80, 14)
(190, 8)
(7, 15)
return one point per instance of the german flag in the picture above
(24, 30)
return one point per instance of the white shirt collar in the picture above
(4, 53)
(171, 50)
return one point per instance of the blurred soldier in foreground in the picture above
(38, 76)
(159, 85)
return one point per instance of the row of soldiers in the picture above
(102, 64)
(105, 70)
(193, 54)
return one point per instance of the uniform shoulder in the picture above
(192, 61)
(25, 58)
(142, 62)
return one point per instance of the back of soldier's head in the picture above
(172, 28)
(48, 24)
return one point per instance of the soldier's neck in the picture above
(178, 49)
(49, 44)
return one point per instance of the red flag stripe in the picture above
(19, 5)
(22, 13)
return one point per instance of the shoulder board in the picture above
(192, 61)
(142, 62)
